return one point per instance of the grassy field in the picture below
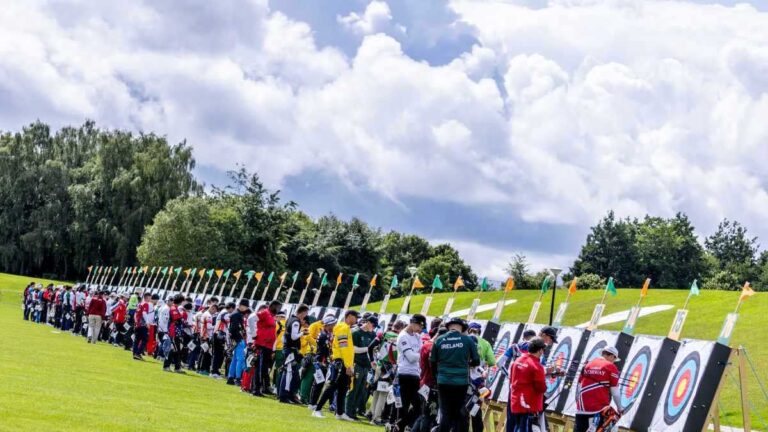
(54, 381)
(705, 319)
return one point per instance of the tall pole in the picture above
(554, 271)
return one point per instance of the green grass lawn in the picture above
(705, 319)
(57, 382)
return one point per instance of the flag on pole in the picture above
(177, 270)
(309, 278)
(249, 274)
(237, 274)
(338, 279)
(209, 273)
(373, 280)
(282, 277)
(510, 285)
(163, 270)
(269, 278)
(145, 269)
(354, 280)
(394, 282)
(694, 288)
(187, 272)
(572, 288)
(610, 287)
(134, 270)
(545, 285)
(90, 268)
(417, 283)
(483, 284)
(227, 273)
(437, 283)
(460, 283)
(295, 277)
(201, 272)
(746, 291)
(646, 285)
(259, 275)
(153, 269)
(324, 282)
(219, 273)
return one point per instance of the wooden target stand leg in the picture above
(739, 356)
(495, 416)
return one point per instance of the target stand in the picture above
(495, 416)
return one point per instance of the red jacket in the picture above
(594, 391)
(139, 317)
(427, 377)
(266, 329)
(527, 385)
(118, 313)
(98, 307)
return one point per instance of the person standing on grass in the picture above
(206, 338)
(143, 315)
(362, 337)
(163, 319)
(67, 301)
(220, 339)
(409, 372)
(97, 312)
(277, 365)
(527, 386)
(80, 310)
(598, 384)
(322, 356)
(266, 336)
(152, 327)
(173, 341)
(237, 337)
(25, 299)
(119, 315)
(342, 367)
(289, 378)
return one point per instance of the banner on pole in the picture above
(349, 299)
(558, 321)
(333, 298)
(497, 312)
(727, 330)
(596, 315)
(473, 309)
(534, 312)
(365, 301)
(629, 326)
(425, 306)
(677, 324)
(407, 301)
(384, 304)
(448, 307)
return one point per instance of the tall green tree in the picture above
(610, 250)
(668, 251)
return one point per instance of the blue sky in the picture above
(499, 126)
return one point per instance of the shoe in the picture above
(203, 373)
(230, 381)
(377, 423)
(237, 382)
(256, 393)
(313, 408)
(179, 371)
(368, 415)
(268, 392)
(338, 417)
(166, 369)
(317, 414)
(348, 418)
(137, 357)
(215, 376)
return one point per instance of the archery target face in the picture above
(561, 357)
(635, 375)
(681, 386)
(598, 340)
(497, 381)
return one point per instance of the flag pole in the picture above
(199, 281)
(306, 287)
(290, 290)
(242, 291)
(335, 289)
(279, 288)
(256, 289)
(234, 284)
(221, 288)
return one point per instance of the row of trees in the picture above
(246, 226)
(668, 252)
(83, 195)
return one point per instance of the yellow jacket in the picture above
(310, 340)
(342, 347)
(279, 331)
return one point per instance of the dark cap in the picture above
(550, 331)
(455, 321)
(419, 319)
(245, 302)
(371, 319)
(529, 334)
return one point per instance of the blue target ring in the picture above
(634, 377)
(680, 390)
(597, 350)
(560, 359)
(501, 347)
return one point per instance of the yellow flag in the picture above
(373, 280)
(134, 270)
(145, 269)
(259, 275)
(510, 285)
(572, 288)
(237, 274)
(187, 272)
(747, 291)
(459, 283)
(417, 283)
(90, 268)
(309, 278)
(338, 279)
(646, 285)
(201, 272)
(282, 277)
(219, 273)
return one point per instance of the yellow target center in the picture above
(681, 387)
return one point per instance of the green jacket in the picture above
(451, 357)
(361, 339)
(485, 350)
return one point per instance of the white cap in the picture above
(613, 351)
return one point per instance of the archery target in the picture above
(635, 375)
(598, 340)
(562, 357)
(497, 381)
(384, 320)
(681, 386)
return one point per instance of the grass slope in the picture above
(58, 382)
(705, 319)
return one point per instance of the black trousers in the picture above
(453, 415)
(582, 422)
(477, 421)
(409, 394)
(338, 385)
(317, 389)
(264, 363)
(174, 357)
(204, 363)
(219, 344)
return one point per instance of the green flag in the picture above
(269, 278)
(437, 283)
(209, 273)
(610, 287)
(695, 288)
(177, 270)
(164, 271)
(394, 282)
(354, 280)
(484, 284)
(545, 285)
(295, 276)
(153, 269)
(324, 282)
(250, 274)
(193, 272)
(226, 273)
